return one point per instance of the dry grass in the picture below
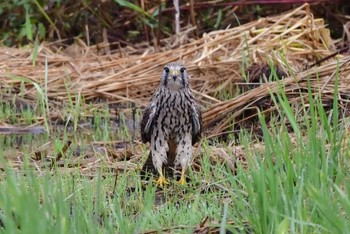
(292, 41)
(218, 63)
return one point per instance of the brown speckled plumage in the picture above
(171, 122)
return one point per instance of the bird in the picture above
(171, 123)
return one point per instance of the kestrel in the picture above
(171, 122)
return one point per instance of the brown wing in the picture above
(147, 122)
(196, 123)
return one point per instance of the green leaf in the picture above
(28, 25)
(133, 7)
(282, 228)
(35, 50)
(41, 31)
(218, 19)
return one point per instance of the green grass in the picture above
(298, 183)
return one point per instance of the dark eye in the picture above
(182, 70)
(166, 69)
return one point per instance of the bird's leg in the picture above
(161, 180)
(182, 180)
(184, 155)
(159, 156)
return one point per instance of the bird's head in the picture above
(174, 76)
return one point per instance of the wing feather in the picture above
(196, 123)
(147, 122)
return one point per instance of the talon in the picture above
(182, 180)
(161, 180)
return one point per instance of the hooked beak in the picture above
(174, 73)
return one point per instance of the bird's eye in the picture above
(182, 70)
(166, 69)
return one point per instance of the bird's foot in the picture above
(161, 180)
(182, 180)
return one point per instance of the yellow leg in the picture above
(182, 180)
(161, 180)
